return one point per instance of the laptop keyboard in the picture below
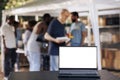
(91, 72)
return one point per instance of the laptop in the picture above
(79, 62)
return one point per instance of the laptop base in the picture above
(90, 77)
(78, 78)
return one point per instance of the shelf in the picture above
(103, 27)
(114, 26)
(112, 45)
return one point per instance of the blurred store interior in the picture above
(101, 17)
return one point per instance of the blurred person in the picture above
(44, 43)
(27, 34)
(9, 42)
(16, 25)
(33, 45)
(77, 30)
(56, 29)
(19, 32)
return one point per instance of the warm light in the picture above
(79, 19)
(16, 3)
(6, 7)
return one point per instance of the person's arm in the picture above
(26, 37)
(49, 34)
(3, 33)
(39, 28)
(50, 38)
(4, 41)
(4, 44)
(84, 33)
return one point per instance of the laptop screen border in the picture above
(79, 68)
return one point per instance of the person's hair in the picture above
(11, 17)
(64, 10)
(75, 14)
(16, 24)
(46, 15)
(32, 23)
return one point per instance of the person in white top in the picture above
(33, 46)
(9, 43)
(27, 35)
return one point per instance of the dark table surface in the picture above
(48, 75)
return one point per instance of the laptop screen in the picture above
(78, 57)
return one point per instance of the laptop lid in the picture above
(77, 58)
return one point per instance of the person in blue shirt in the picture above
(77, 30)
(56, 29)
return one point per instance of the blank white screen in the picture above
(77, 57)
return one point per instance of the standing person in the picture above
(77, 30)
(27, 34)
(56, 29)
(33, 45)
(18, 33)
(9, 42)
(16, 25)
